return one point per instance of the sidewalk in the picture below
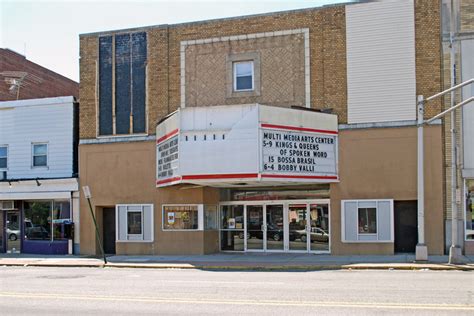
(247, 261)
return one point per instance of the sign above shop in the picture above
(246, 145)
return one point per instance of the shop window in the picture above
(37, 220)
(47, 220)
(243, 76)
(40, 155)
(469, 209)
(181, 217)
(367, 221)
(3, 157)
(135, 222)
(61, 215)
(210, 217)
(125, 112)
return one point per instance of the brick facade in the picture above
(328, 83)
(46, 82)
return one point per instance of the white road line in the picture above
(55, 296)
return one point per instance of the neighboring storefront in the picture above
(38, 224)
(39, 199)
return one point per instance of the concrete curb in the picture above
(244, 267)
(435, 267)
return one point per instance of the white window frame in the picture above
(343, 222)
(6, 168)
(134, 236)
(200, 210)
(234, 70)
(33, 154)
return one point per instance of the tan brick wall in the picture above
(428, 52)
(280, 74)
(328, 83)
(89, 54)
(467, 16)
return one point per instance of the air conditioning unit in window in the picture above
(6, 205)
(3, 175)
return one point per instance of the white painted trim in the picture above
(392, 224)
(36, 102)
(33, 144)
(118, 139)
(35, 195)
(307, 59)
(117, 217)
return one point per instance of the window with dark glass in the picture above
(367, 220)
(40, 155)
(47, 220)
(37, 220)
(3, 157)
(124, 112)
(134, 223)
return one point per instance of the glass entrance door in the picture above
(319, 227)
(297, 227)
(13, 231)
(289, 225)
(275, 227)
(255, 227)
(2, 231)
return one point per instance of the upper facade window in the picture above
(3, 157)
(40, 155)
(122, 84)
(243, 76)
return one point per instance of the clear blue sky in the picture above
(48, 31)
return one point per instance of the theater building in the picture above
(283, 132)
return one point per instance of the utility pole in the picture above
(455, 256)
(455, 253)
(87, 195)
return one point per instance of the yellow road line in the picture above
(54, 296)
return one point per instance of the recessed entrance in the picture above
(108, 218)
(275, 226)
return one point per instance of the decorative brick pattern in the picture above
(280, 77)
(325, 83)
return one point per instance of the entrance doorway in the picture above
(275, 226)
(13, 235)
(108, 224)
(406, 226)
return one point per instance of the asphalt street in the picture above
(99, 291)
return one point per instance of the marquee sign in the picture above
(246, 145)
(295, 152)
